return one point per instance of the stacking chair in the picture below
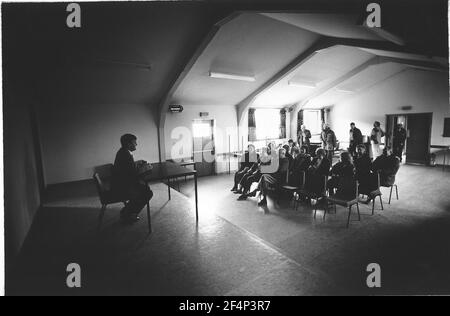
(102, 177)
(284, 170)
(390, 194)
(377, 193)
(308, 193)
(293, 189)
(389, 181)
(346, 195)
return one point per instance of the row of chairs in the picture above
(351, 187)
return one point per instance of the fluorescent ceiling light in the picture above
(302, 84)
(345, 90)
(221, 75)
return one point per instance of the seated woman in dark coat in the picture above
(272, 179)
(343, 169)
(301, 163)
(320, 167)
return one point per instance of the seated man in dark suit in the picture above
(320, 167)
(387, 165)
(363, 165)
(343, 169)
(301, 163)
(245, 164)
(126, 182)
(289, 157)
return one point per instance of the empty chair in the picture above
(346, 195)
(102, 177)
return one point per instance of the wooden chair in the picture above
(102, 177)
(347, 195)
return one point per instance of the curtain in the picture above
(282, 123)
(299, 121)
(322, 116)
(251, 125)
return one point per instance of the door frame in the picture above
(407, 115)
(213, 139)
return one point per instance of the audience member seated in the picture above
(291, 145)
(254, 174)
(246, 163)
(269, 181)
(343, 169)
(320, 167)
(301, 163)
(366, 178)
(288, 155)
(387, 165)
(126, 182)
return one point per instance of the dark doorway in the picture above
(418, 142)
(418, 126)
(204, 150)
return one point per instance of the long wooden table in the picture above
(166, 171)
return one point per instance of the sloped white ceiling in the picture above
(358, 83)
(335, 25)
(251, 44)
(322, 69)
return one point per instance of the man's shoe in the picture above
(242, 197)
(263, 202)
(233, 189)
(129, 218)
(252, 194)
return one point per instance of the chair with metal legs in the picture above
(102, 178)
(346, 195)
(390, 194)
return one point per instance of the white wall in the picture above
(225, 118)
(76, 138)
(425, 91)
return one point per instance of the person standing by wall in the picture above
(399, 140)
(328, 142)
(375, 139)
(304, 137)
(356, 139)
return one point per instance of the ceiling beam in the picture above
(163, 106)
(318, 92)
(319, 45)
(414, 63)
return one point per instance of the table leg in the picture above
(196, 197)
(445, 156)
(168, 187)
(149, 219)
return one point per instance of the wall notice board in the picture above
(446, 127)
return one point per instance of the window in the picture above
(313, 121)
(201, 129)
(267, 123)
